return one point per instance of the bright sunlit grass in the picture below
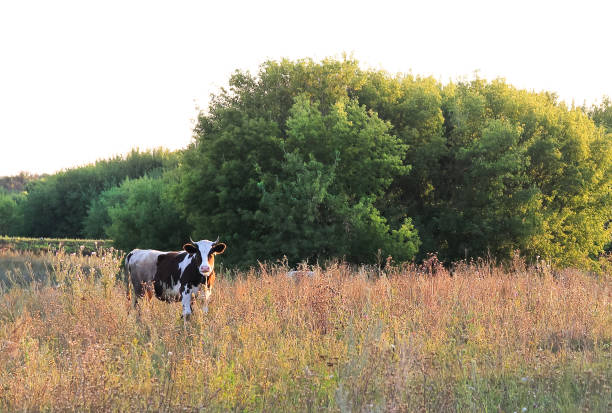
(347, 339)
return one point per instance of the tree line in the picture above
(312, 160)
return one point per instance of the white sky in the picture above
(84, 80)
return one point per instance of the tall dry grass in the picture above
(347, 339)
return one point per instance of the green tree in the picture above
(326, 148)
(57, 205)
(98, 220)
(11, 217)
(323, 207)
(368, 156)
(602, 114)
(523, 172)
(413, 106)
(296, 212)
(499, 202)
(283, 163)
(142, 215)
(493, 167)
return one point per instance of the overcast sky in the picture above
(87, 80)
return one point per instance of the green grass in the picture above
(486, 339)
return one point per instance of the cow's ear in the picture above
(218, 248)
(190, 248)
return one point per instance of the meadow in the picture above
(37, 245)
(409, 338)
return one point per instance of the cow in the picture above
(175, 275)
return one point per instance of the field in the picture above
(353, 339)
(37, 245)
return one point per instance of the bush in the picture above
(11, 215)
(142, 215)
(56, 205)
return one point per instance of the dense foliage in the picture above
(140, 214)
(57, 205)
(501, 170)
(304, 189)
(602, 114)
(315, 159)
(311, 160)
(10, 213)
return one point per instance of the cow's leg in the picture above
(186, 300)
(207, 294)
(148, 290)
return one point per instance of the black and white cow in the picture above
(176, 275)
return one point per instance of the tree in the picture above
(413, 107)
(499, 202)
(602, 114)
(312, 160)
(11, 218)
(316, 148)
(288, 175)
(142, 215)
(57, 205)
(98, 219)
(296, 212)
(524, 172)
(323, 207)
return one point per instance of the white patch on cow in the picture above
(204, 247)
(300, 273)
(186, 261)
(142, 265)
(186, 302)
(172, 291)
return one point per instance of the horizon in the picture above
(87, 82)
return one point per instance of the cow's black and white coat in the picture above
(176, 275)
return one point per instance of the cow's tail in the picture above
(127, 261)
(128, 277)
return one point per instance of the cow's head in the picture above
(203, 253)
